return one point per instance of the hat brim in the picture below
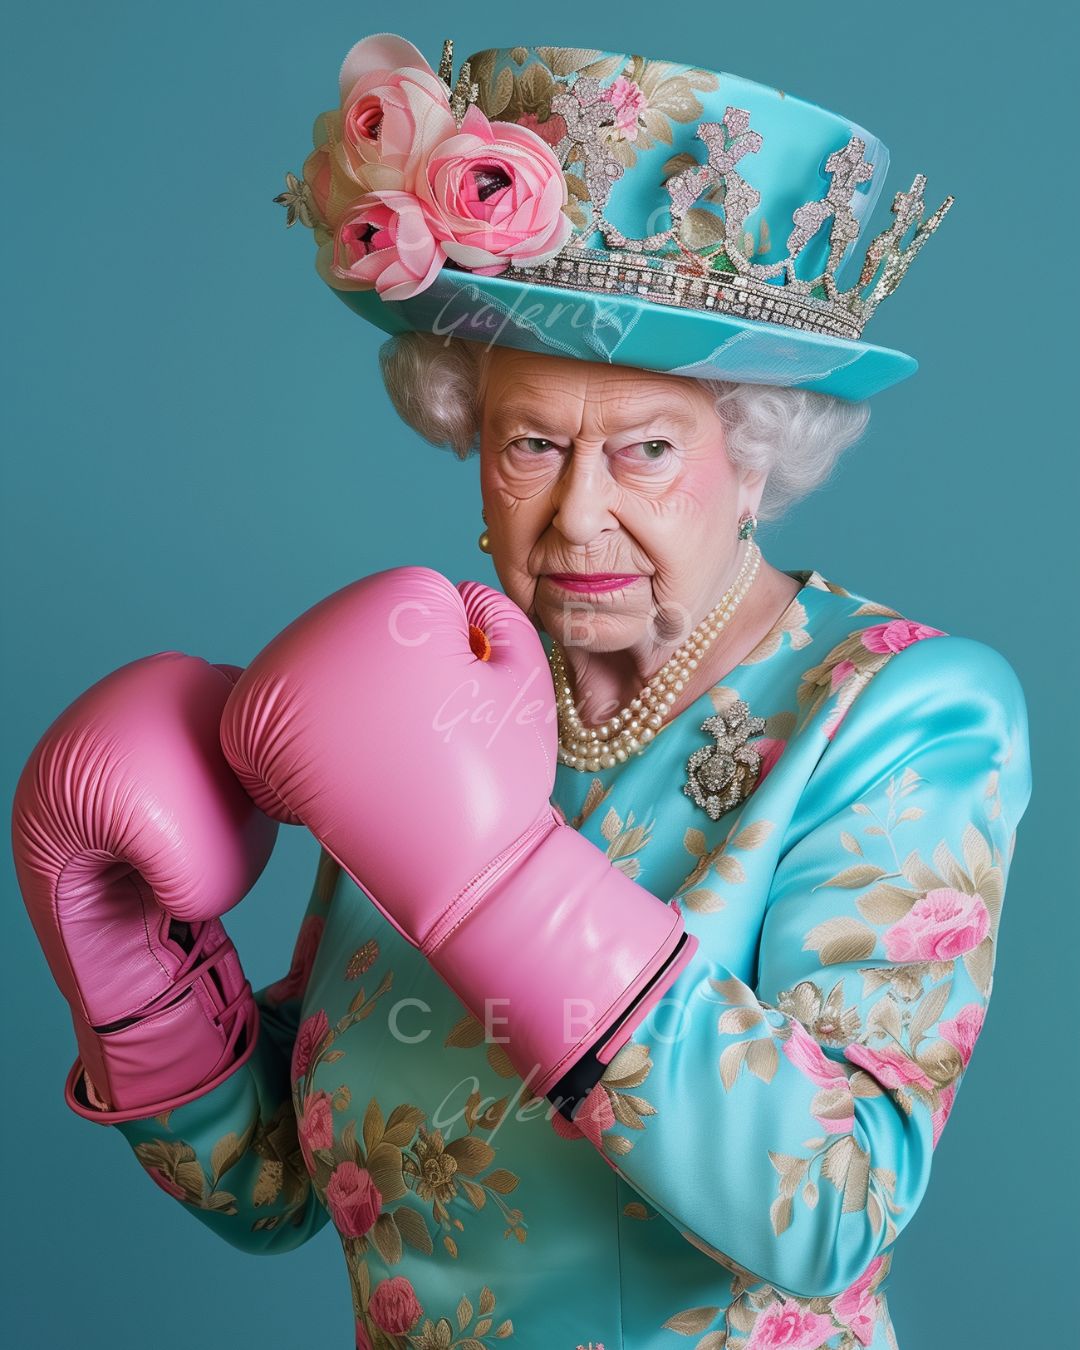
(628, 330)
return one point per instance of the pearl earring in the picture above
(747, 525)
(484, 542)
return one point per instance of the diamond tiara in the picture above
(719, 274)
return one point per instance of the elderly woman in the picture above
(655, 919)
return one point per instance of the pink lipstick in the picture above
(590, 582)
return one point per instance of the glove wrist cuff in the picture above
(79, 1099)
(563, 957)
(189, 1037)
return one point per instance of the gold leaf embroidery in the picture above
(466, 1033)
(840, 939)
(413, 1229)
(703, 901)
(691, 1320)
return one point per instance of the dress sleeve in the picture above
(788, 1125)
(232, 1156)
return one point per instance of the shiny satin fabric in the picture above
(766, 1134)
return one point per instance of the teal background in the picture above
(199, 447)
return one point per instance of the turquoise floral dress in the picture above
(738, 1177)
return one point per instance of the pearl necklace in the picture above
(631, 729)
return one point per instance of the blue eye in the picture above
(532, 442)
(652, 453)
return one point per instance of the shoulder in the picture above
(947, 709)
(886, 680)
(862, 645)
(921, 673)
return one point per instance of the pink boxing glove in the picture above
(410, 725)
(131, 836)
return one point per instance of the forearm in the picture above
(232, 1155)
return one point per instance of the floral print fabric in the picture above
(738, 1177)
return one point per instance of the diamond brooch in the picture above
(720, 776)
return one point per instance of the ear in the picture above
(751, 487)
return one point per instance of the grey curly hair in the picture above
(437, 385)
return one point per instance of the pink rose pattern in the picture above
(315, 1128)
(833, 1108)
(892, 1067)
(341, 1164)
(786, 1322)
(628, 102)
(857, 1307)
(353, 1199)
(312, 1031)
(394, 1306)
(963, 1029)
(942, 925)
(788, 1325)
(850, 665)
(896, 635)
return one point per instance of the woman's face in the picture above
(592, 468)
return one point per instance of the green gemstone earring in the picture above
(747, 525)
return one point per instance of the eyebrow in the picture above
(510, 415)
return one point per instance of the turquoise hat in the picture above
(608, 207)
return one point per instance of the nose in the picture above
(582, 498)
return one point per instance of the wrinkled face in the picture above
(588, 468)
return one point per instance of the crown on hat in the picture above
(718, 274)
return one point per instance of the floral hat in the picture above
(608, 207)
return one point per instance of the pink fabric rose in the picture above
(316, 1126)
(963, 1030)
(384, 241)
(294, 983)
(943, 924)
(857, 1307)
(393, 108)
(628, 101)
(895, 636)
(786, 1325)
(770, 749)
(353, 1199)
(497, 193)
(394, 1307)
(363, 1340)
(389, 121)
(891, 1066)
(484, 195)
(312, 1030)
